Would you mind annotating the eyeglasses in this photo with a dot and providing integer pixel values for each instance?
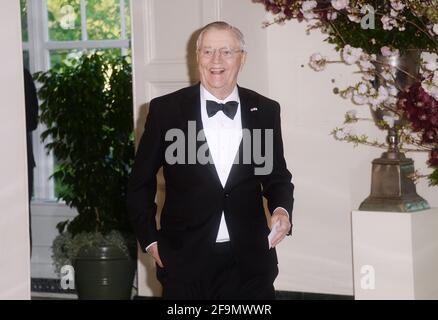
(225, 53)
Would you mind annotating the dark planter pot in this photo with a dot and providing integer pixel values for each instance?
(104, 273)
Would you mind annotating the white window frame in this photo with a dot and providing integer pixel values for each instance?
(39, 46)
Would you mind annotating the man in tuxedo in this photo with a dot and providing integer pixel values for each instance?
(213, 237)
(31, 105)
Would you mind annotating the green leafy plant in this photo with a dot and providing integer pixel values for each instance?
(87, 110)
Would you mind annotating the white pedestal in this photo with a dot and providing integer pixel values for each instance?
(395, 254)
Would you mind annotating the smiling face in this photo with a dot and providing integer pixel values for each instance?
(218, 74)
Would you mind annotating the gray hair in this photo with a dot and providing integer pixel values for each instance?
(222, 25)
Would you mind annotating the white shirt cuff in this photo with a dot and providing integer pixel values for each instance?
(283, 210)
(150, 245)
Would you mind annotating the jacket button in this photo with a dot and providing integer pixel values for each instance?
(227, 195)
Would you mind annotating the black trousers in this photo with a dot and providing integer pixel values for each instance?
(222, 280)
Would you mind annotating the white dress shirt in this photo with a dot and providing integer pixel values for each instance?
(223, 136)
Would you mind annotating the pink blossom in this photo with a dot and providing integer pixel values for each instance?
(350, 54)
(339, 4)
(317, 62)
(397, 5)
(387, 52)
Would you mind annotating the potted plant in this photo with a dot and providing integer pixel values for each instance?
(87, 110)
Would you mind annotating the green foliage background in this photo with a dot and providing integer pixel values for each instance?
(103, 20)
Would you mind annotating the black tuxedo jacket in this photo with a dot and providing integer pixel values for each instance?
(195, 197)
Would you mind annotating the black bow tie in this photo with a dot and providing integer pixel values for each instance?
(229, 108)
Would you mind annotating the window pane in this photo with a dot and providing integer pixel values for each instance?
(59, 187)
(103, 19)
(64, 18)
(114, 52)
(24, 32)
(26, 63)
(59, 57)
(128, 19)
(128, 53)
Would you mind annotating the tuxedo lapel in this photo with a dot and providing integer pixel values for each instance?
(191, 111)
(191, 107)
(248, 103)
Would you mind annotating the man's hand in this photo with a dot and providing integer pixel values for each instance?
(280, 216)
(153, 251)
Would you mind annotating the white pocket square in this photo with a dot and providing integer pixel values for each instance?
(253, 109)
